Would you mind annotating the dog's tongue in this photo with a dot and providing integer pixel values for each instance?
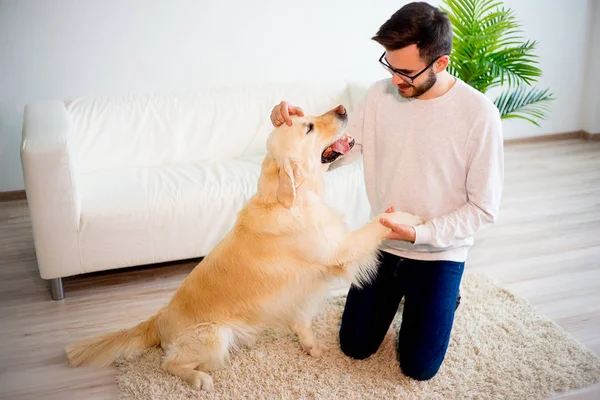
(341, 146)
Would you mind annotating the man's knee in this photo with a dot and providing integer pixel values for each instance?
(421, 371)
(354, 347)
(356, 352)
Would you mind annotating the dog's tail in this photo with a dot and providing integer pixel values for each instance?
(105, 349)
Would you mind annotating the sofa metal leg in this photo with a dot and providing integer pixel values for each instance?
(58, 292)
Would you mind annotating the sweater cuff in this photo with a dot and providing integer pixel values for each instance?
(424, 233)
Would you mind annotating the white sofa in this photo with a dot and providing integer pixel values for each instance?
(134, 180)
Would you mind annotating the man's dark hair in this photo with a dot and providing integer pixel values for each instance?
(417, 23)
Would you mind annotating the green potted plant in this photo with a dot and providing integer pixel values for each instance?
(489, 52)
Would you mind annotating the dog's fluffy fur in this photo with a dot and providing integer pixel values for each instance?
(271, 269)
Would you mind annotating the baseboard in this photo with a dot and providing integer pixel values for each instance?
(13, 195)
(590, 136)
(546, 138)
(581, 134)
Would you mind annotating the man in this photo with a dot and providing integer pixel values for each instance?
(431, 146)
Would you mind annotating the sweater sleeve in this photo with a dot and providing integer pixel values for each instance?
(484, 183)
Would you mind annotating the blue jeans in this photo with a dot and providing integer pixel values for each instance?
(430, 290)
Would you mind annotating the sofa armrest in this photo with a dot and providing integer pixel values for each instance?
(50, 174)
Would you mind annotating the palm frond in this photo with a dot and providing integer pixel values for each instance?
(514, 65)
(488, 50)
(524, 103)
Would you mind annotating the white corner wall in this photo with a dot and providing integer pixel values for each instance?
(591, 104)
(61, 49)
(562, 30)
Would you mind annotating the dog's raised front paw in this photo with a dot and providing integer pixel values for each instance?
(402, 218)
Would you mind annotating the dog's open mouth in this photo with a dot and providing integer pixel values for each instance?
(337, 149)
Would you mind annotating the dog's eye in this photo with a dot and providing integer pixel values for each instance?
(310, 128)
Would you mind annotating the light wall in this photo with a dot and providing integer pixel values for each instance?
(591, 103)
(61, 49)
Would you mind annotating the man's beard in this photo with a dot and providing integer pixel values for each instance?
(421, 89)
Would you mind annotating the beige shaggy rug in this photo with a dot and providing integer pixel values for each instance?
(500, 348)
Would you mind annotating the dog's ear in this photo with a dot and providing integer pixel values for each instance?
(289, 180)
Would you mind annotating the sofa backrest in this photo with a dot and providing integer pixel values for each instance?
(213, 123)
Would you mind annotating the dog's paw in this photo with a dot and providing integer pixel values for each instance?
(318, 350)
(203, 381)
(402, 218)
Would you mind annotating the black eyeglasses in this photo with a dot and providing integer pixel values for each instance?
(404, 77)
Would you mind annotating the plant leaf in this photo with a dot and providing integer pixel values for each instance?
(488, 50)
(524, 103)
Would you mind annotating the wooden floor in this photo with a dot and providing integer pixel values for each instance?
(545, 247)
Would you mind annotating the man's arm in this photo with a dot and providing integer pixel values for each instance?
(484, 183)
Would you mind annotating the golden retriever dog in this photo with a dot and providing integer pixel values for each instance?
(272, 269)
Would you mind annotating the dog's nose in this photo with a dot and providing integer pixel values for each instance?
(340, 110)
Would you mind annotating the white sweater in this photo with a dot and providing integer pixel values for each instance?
(441, 159)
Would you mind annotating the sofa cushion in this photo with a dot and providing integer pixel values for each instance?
(207, 124)
(146, 215)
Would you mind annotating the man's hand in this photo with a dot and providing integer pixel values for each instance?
(399, 231)
(282, 111)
